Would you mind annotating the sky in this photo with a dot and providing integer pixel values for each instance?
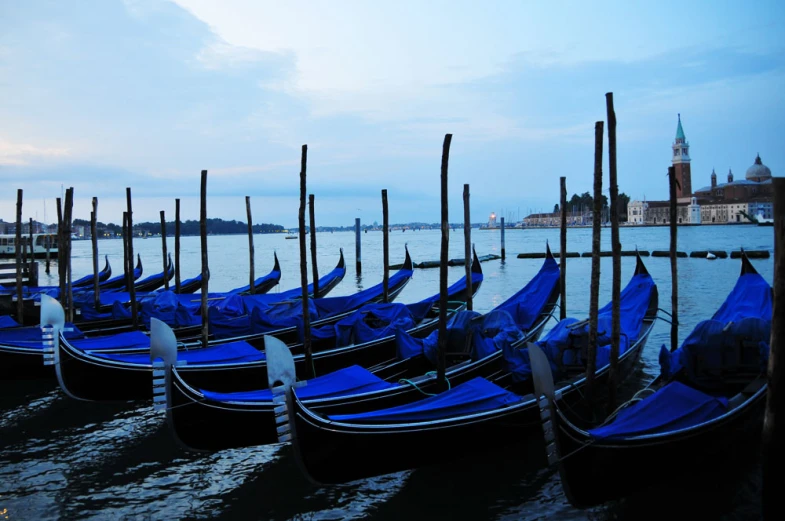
(108, 94)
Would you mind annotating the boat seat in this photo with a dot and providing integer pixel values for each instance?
(748, 391)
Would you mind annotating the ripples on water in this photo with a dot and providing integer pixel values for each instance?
(65, 459)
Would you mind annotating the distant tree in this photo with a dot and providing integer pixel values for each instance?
(623, 201)
(556, 208)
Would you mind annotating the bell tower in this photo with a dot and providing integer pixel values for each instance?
(681, 163)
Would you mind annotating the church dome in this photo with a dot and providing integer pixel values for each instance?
(758, 171)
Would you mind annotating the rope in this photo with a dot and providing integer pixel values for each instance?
(429, 373)
(635, 398)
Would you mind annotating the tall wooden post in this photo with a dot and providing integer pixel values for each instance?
(467, 247)
(774, 419)
(18, 251)
(359, 263)
(163, 250)
(205, 269)
(563, 247)
(314, 266)
(94, 244)
(48, 242)
(591, 361)
(60, 250)
(385, 248)
(131, 287)
(441, 366)
(304, 270)
(177, 246)
(31, 257)
(69, 213)
(616, 251)
(674, 269)
(250, 245)
(126, 271)
(504, 250)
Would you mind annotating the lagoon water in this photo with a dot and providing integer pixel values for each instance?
(65, 459)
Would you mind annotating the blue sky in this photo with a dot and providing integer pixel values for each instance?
(102, 95)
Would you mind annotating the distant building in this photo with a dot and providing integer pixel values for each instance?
(729, 202)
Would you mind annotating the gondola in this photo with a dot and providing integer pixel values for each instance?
(474, 417)
(263, 284)
(153, 282)
(704, 408)
(21, 351)
(88, 280)
(227, 364)
(207, 420)
(121, 281)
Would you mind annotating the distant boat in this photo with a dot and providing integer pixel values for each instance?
(291, 236)
(763, 221)
(711, 256)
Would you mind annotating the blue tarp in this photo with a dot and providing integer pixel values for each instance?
(476, 395)
(737, 334)
(371, 322)
(30, 336)
(526, 305)
(674, 407)
(229, 353)
(563, 340)
(114, 280)
(350, 380)
(273, 275)
(129, 340)
(6, 321)
(167, 307)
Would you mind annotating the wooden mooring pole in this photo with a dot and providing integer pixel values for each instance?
(674, 269)
(563, 253)
(314, 267)
(18, 252)
(250, 244)
(309, 369)
(177, 246)
(94, 244)
(163, 250)
(60, 251)
(131, 287)
(69, 213)
(616, 251)
(504, 251)
(591, 361)
(205, 269)
(126, 271)
(357, 251)
(467, 247)
(774, 420)
(385, 249)
(441, 366)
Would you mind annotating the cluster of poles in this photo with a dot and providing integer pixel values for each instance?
(774, 423)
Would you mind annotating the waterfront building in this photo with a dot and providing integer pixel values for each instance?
(736, 201)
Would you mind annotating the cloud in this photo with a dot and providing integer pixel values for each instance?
(23, 153)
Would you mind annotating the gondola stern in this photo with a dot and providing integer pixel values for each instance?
(640, 267)
(746, 266)
(341, 261)
(407, 263)
(277, 265)
(476, 265)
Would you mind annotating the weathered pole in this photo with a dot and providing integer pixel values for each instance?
(31, 256)
(69, 213)
(250, 244)
(616, 251)
(94, 244)
(163, 250)
(60, 251)
(309, 369)
(359, 263)
(504, 252)
(314, 266)
(467, 247)
(563, 254)
(441, 366)
(205, 278)
(674, 270)
(774, 420)
(177, 246)
(48, 243)
(19, 302)
(591, 360)
(385, 248)
(126, 271)
(131, 288)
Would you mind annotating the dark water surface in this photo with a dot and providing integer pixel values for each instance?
(65, 459)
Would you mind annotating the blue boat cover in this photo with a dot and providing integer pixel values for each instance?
(167, 307)
(229, 353)
(475, 396)
(737, 335)
(129, 340)
(114, 280)
(30, 336)
(674, 407)
(350, 380)
(488, 333)
(564, 339)
(7, 321)
(526, 305)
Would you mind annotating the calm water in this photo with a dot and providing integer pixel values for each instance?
(64, 459)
